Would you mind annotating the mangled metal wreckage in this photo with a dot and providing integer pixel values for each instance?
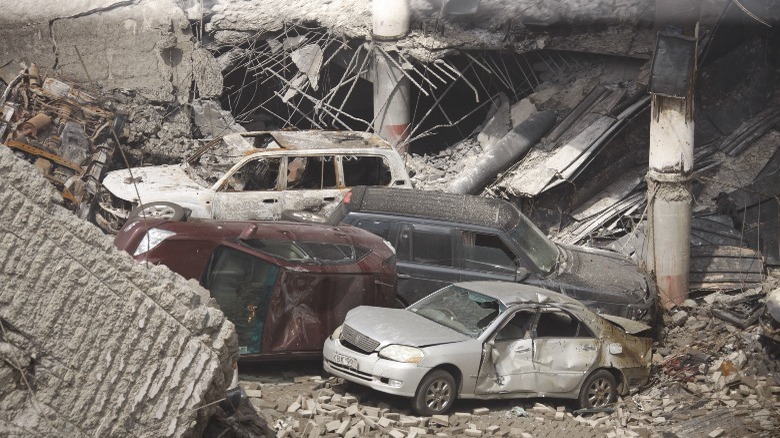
(63, 131)
(253, 176)
(285, 286)
(487, 339)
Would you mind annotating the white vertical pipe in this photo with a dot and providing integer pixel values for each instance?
(670, 162)
(391, 19)
(391, 86)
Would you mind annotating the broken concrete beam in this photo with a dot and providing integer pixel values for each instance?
(395, 433)
(480, 411)
(521, 111)
(118, 347)
(441, 420)
(253, 393)
(503, 154)
(333, 425)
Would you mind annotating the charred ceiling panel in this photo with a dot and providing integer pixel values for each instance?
(756, 208)
(575, 142)
(310, 77)
(720, 259)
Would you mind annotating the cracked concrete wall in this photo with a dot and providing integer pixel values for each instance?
(142, 45)
(93, 343)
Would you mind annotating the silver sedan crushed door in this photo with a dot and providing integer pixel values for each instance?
(507, 365)
(564, 351)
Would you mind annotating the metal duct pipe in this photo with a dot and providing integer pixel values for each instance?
(503, 154)
(391, 19)
(391, 85)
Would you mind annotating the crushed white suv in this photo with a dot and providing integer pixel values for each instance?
(253, 176)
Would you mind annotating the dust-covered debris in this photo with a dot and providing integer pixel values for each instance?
(710, 378)
(68, 134)
(91, 342)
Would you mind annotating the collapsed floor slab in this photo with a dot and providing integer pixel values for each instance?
(92, 343)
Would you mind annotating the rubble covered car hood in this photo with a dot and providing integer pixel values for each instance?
(400, 326)
(602, 276)
(158, 182)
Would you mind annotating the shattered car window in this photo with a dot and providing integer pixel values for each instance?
(311, 173)
(485, 252)
(462, 310)
(365, 171)
(540, 250)
(255, 175)
(309, 251)
(561, 325)
(434, 248)
(242, 286)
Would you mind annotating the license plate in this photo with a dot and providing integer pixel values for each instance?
(349, 362)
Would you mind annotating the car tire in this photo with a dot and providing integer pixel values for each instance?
(436, 394)
(599, 390)
(303, 216)
(160, 210)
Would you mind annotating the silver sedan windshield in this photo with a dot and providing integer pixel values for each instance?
(462, 310)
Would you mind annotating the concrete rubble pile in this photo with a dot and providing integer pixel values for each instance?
(92, 343)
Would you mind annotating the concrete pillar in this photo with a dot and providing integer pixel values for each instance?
(391, 86)
(670, 164)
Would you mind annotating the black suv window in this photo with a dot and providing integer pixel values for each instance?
(486, 252)
(426, 246)
(379, 227)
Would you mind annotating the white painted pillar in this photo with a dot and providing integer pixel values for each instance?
(669, 188)
(391, 86)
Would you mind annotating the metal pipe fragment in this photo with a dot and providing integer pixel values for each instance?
(503, 154)
(391, 84)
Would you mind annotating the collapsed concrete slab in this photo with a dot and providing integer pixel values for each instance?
(141, 45)
(91, 342)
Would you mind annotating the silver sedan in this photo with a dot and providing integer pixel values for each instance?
(490, 339)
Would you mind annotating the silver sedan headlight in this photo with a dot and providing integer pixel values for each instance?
(336, 333)
(402, 353)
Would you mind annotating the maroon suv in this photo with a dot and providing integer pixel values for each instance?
(286, 286)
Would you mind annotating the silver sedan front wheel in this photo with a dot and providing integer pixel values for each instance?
(436, 394)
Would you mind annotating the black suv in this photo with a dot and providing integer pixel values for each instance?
(442, 238)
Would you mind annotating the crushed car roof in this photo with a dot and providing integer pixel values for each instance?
(312, 139)
(516, 293)
(468, 209)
